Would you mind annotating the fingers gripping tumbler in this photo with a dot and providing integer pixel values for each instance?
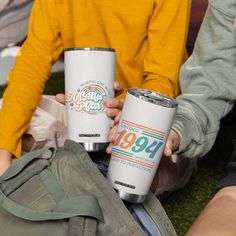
(140, 140)
(89, 79)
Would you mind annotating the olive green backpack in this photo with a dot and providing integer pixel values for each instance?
(61, 192)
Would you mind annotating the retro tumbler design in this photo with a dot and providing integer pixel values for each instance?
(89, 79)
(140, 140)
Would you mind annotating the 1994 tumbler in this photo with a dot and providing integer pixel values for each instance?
(140, 140)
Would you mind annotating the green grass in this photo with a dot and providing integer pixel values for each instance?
(184, 205)
(2, 88)
(55, 84)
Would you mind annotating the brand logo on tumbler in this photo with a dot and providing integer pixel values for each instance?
(89, 99)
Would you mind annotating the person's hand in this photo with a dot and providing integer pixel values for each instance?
(172, 143)
(5, 161)
(114, 107)
(112, 135)
(60, 97)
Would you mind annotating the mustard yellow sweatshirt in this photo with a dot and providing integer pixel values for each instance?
(148, 35)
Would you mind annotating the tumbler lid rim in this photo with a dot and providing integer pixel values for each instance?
(153, 97)
(89, 49)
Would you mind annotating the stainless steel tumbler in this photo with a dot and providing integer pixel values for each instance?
(89, 79)
(140, 140)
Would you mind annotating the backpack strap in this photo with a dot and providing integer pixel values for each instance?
(22, 162)
(64, 208)
(78, 206)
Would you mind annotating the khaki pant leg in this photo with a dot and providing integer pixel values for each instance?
(174, 174)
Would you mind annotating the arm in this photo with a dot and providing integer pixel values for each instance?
(5, 160)
(167, 33)
(27, 79)
(208, 81)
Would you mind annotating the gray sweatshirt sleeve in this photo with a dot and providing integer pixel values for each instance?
(208, 81)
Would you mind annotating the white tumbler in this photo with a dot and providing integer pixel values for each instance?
(140, 140)
(89, 80)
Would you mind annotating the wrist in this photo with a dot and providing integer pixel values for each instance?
(5, 160)
(5, 155)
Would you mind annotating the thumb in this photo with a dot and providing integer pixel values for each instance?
(172, 143)
(60, 97)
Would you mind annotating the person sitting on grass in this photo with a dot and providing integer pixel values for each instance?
(149, 38)
(208, 85)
